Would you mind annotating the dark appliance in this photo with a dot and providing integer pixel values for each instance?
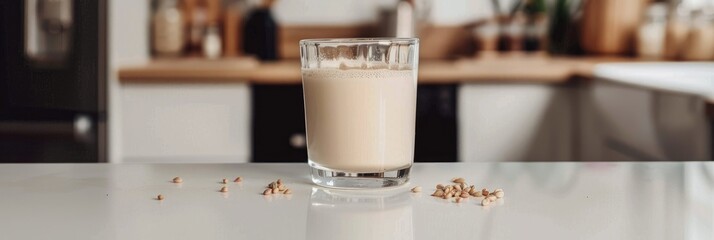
(53, 81)
(279, 124)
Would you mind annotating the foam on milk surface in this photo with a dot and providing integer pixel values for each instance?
(360, 120)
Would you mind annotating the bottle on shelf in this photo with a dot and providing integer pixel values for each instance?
(504, 36)
(232, 31)
(212, 42)
(167, 27)
(260, 34)
(196, 21)
(516, 31)
(676, 31)
(565, 28)
(536, 29)
(512, 20)
(650, 35)
(700, 40)
(486, 36)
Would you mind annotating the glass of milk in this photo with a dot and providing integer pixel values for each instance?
(360, 109)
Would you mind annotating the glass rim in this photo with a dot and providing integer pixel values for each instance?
(385, 40)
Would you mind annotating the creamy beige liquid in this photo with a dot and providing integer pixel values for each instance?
(360, 120)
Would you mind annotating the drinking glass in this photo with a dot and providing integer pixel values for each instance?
(360, 110)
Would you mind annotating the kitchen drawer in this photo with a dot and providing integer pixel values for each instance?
(278, 121)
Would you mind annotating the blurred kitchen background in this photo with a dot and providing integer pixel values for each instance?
(181, 81)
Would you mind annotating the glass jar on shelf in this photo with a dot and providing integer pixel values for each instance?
(650, 36)
(167, 29)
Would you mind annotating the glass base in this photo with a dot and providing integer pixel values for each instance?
(349, 180)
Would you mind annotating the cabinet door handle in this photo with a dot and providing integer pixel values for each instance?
(298, 140)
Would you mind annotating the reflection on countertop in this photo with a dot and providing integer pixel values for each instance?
(345, 214)
(697, 201)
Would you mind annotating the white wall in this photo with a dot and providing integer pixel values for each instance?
(128, 44)
(330, 12)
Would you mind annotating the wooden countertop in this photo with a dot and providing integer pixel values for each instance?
(518, 68)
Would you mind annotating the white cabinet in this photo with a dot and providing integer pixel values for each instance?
(617, 124)
(185, 122)
(599, 121)
(630, 123)
(515, 122)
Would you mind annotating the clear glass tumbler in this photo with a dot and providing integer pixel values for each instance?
(360, 110)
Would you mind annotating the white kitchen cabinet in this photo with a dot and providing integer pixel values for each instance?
(630, 123)
(177, 122)
(652, 111)
(516, 122)
(617, 124)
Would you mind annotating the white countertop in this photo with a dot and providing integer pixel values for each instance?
(543, 201)
(694, 78)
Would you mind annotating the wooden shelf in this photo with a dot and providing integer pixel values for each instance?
(516, 68)
(190, 70)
